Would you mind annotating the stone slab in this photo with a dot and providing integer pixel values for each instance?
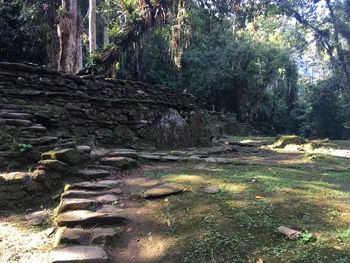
(163, 190)
(78, 254)
(86, 218)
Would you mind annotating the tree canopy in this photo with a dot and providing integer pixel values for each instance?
(280, 66)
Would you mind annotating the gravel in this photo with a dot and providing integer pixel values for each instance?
(22, 244)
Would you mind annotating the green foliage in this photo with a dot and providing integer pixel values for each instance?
(25, 147)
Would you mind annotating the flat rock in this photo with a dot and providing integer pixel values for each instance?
(14, 177)
(35, 129)
(171, 158)
(93, 173)
(102, 184)
(119, 162)
(211, 190)
(87, 193)
(55, 165)
(69, 156)
(78, 254)
(76, 204)
(123, 152)
(80, 236)
(16, 122)
(217, 160)
(150, 157)
(40, 141)
(107, 198)
(86, 218)
(84, 148)
(109, 209)
(163, 190)
(15, 115)
(36, 218)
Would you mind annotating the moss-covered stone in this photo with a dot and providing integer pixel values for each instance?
(69, 156)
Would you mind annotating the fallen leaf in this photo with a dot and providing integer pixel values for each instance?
(260, 260)
(259, 197)
(169, 223)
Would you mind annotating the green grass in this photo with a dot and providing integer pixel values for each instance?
(239, 224)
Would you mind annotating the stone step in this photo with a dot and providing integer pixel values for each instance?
(93, 173)
(123, 153)
(68, 204)
(119, 162)
(87, 194)
(16, 122)
(78, 254)
(97, 185)
(100, 167)
(86, 218)
(80, 236)
(55, 165)
(16, 115)
(35, 129)
(69, 156)
(39, 141)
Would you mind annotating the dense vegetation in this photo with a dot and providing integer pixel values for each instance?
(280, 66)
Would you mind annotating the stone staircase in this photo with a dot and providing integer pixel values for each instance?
(23, 138)
(89, 214)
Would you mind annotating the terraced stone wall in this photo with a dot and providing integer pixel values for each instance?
(102, 112)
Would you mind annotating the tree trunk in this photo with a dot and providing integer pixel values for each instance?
(69, 32)
(105, 33)
(92, 25)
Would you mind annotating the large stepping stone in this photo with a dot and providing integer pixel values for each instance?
(119, 162)
(55, 165)
(76, 204)
(163, 190)
(80, 236)
(98, 185)
(78, 254)
(105, 199)
(86, 193)
(93, 173)
(86, 218)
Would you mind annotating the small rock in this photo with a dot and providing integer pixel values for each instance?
(50, 231)
(36, 218)
(211, 190)
(290, 233)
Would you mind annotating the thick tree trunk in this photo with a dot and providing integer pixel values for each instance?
(69, 32)
(92, 25)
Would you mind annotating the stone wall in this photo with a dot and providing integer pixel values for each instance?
(102, 112)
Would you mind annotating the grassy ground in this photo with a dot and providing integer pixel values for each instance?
(239, 224)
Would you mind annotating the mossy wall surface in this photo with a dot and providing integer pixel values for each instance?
(102, 112)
